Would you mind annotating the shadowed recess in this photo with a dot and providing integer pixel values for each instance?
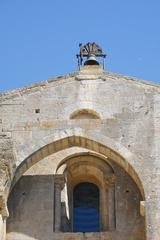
(86, 208)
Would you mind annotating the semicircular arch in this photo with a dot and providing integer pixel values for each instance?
(101, 157)
(85, 113)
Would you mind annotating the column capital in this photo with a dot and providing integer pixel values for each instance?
(142, 208)
(3, 206)
(110, 180)
(59, 180)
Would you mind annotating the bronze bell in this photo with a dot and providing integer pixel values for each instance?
(91, 60)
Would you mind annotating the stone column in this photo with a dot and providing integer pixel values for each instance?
(104, 208)
(3, 216)
(110, 184)
(1, 227)
(59, 182)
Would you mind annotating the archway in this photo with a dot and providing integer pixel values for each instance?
(89, 167)
(78, 138)
(91, 144)
(81, 168)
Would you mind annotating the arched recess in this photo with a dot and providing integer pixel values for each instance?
(86, 208)
(62, 164)
(90, 140)
(85, 114)
(92, 168)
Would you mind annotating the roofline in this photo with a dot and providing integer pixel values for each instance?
(20, 91)
(132, 78)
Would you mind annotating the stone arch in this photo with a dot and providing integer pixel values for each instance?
(91, 140)
(62, 164)
(85, 113)
(96, 170)
(84, 167)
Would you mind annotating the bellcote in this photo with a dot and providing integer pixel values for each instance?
(91, 56)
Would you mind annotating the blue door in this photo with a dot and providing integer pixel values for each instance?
(86, 208)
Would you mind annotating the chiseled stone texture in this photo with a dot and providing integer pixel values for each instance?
(128, 129)
(34, 194)
(31, 207)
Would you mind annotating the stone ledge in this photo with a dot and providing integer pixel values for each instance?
(65, 236)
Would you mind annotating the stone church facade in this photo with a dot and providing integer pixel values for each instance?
(79, 157)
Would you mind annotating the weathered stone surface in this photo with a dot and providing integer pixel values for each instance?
(35, 194)
(127, 132)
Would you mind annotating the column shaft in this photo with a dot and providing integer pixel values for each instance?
(58, 186)
(104, 209)
(112, 217)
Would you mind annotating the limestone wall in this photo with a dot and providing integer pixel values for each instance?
(31, 208)
(129, 113)
(32, 199)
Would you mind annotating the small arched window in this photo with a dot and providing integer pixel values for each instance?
(84, 114)
(86, 208)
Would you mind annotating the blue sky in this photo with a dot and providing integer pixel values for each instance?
(39, 38)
